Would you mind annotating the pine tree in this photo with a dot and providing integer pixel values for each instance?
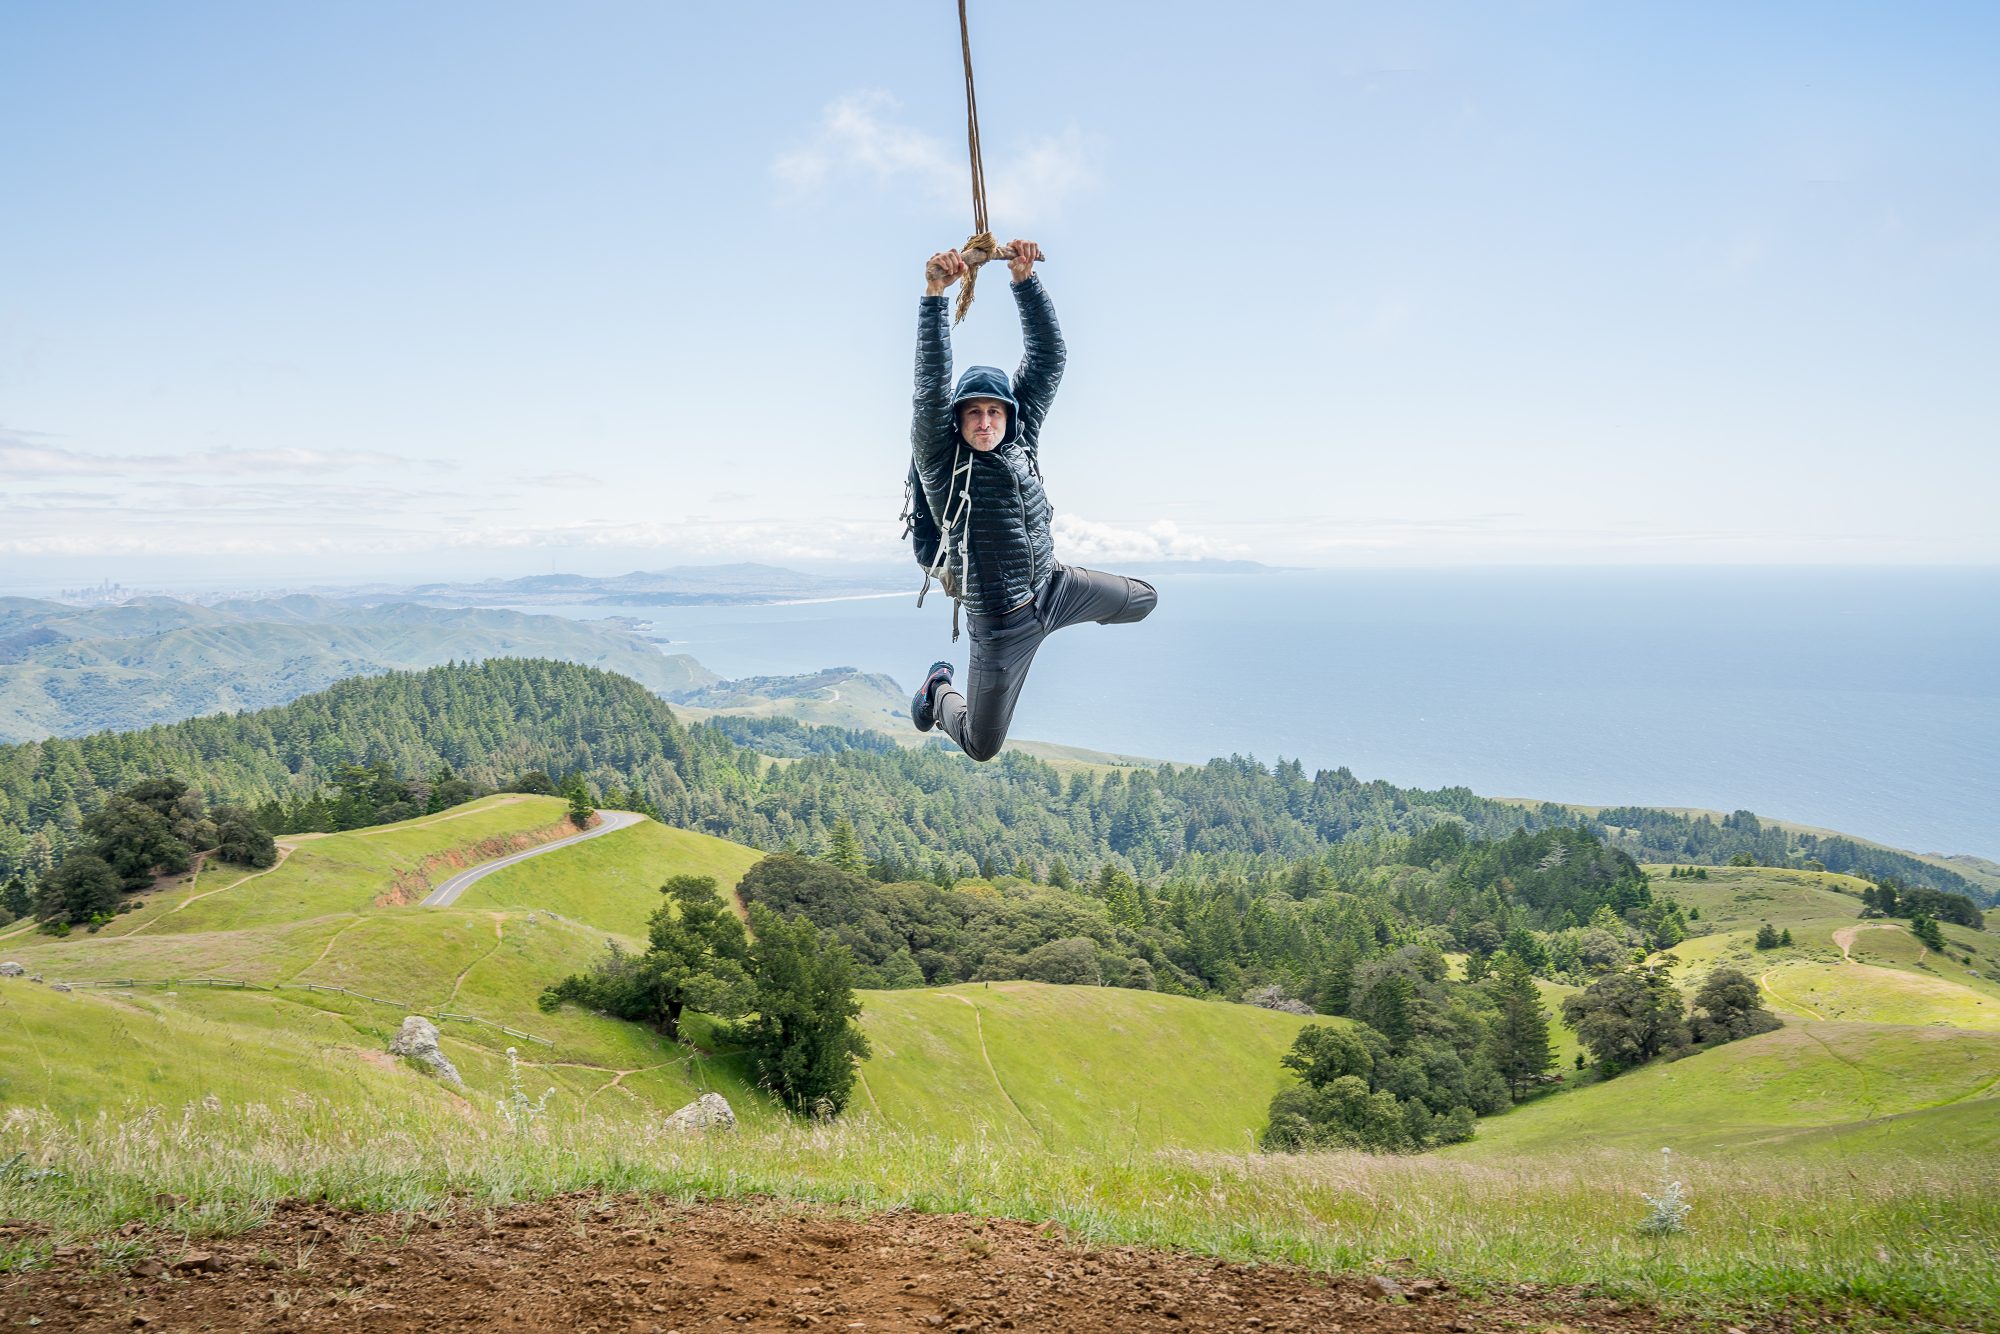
(1334, 982)
(843, 850)
(1522, 1049)
(1387, 1009)
(1925, 928)
(1767, 937)
(443, 776)
(580, 809)
(1121, 896)
(803, 1040)
(694, 959)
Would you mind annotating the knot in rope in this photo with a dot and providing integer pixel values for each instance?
(979, 249)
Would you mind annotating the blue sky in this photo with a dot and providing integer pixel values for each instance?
(364, 291)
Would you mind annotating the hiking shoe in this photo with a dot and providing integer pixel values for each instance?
(922, 709)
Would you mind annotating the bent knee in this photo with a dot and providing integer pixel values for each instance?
(982, 749)
(1140, 599)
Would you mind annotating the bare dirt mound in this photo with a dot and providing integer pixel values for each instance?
(589, 1263)
(1845, 936)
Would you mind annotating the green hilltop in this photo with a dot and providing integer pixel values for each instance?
(334, 952)
(1839, 967)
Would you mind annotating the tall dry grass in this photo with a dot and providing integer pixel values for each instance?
(1888, 1235)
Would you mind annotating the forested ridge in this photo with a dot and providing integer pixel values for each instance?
(927, 810)
(67, 670)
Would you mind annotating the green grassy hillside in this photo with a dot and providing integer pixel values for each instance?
(1122, 1115)
(340, 911)
(1733, 897)
(1838, 967)
(612, 883)
(1829, 1085)
(323, 875)
(1073, 1067)
(1056, 1066)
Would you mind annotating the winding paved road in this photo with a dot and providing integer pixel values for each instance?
(447, 893)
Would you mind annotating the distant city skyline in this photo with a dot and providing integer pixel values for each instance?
(373, 292)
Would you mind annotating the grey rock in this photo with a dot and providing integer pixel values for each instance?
(1383, 1288)
(711, 1111)
(419, 1041)
(11, 970)
(58, 986)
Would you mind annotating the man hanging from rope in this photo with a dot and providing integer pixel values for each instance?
(982, 518)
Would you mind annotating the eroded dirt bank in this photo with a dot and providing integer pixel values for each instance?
(590, 1263)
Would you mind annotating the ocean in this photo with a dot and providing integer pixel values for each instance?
(1863, 700)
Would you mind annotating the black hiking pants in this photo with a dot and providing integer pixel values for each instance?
(976, 716)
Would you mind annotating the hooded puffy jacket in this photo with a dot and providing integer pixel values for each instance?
(1009, 551)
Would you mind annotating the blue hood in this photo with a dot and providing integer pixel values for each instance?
(988, 382)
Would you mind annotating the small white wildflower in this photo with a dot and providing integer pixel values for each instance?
(1669, 1211)
(516, 1109)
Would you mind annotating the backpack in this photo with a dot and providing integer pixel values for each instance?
(919, 524)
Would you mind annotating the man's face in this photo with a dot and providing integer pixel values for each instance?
(982, 421)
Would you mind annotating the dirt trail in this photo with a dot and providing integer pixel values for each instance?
(1844, 937)
(979, 1027)
(325, 950)
(284, 851)
(499, 939)
(1764, 981)
(587, 1263)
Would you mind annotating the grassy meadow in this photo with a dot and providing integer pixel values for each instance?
(1069, 1068)
(1849, 1158)
(611, 883)
(1768, 1091)
(1838, 968)
(171, 1041)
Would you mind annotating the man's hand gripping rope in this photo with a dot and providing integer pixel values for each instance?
(962, 266)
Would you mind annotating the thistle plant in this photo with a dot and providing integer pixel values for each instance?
(1668, 1210)
(516, 1110)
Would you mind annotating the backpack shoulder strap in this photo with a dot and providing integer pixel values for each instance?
(951, 533)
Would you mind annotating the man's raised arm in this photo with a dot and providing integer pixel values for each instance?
(930, 422)
(1042, 351)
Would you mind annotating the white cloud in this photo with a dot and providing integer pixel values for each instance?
(858, 136)
(130, 534)
(1160, 540)
(766, 539)
(19, 458)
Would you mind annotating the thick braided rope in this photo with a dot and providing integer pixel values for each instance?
(982, 236)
